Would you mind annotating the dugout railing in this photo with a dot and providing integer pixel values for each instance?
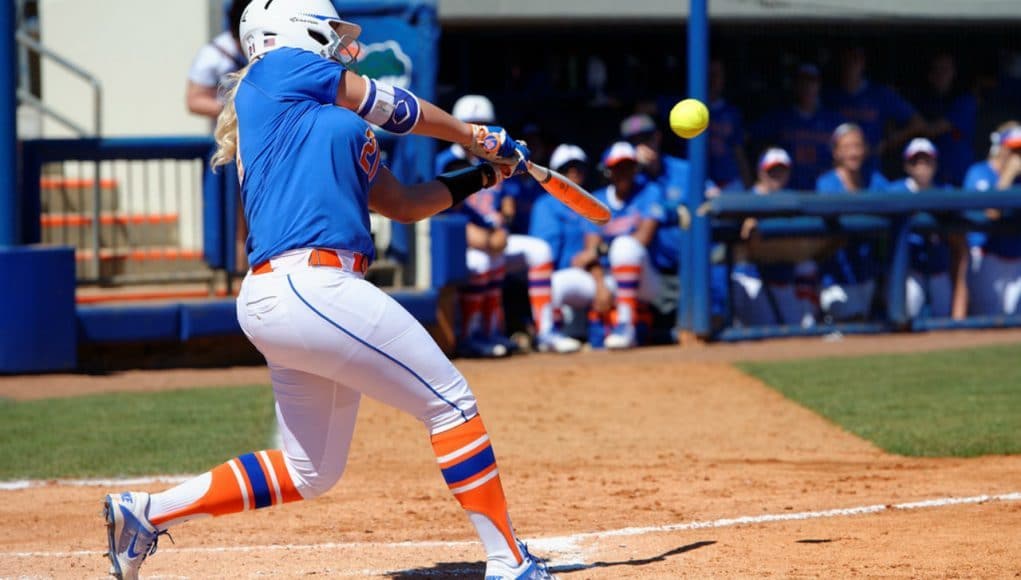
(891, 216)
(136, 210)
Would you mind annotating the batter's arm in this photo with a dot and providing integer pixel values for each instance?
(407, 203)
(433, 121)
(411, 203)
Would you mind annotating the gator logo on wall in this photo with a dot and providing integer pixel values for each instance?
(386, 62)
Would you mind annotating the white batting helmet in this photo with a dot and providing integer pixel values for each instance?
(311, 25)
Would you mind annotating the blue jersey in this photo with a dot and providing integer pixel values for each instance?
(872, 107)
(856, 262)
(956, 152)
(930, 253)
(563, 229)
(726, 133)
(307, 165)
(626, 216)
(806, 137)
(673, 185)
(829, 183)
(982, 177)
(524, 191)
(483, 208)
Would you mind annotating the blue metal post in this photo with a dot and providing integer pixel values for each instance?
(9, 206)
(698, 155)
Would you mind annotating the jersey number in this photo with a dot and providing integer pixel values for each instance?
(369, 160)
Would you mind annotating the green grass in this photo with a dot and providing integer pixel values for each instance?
(960, 403)
(126, 434)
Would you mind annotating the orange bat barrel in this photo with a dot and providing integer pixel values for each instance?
(574, 197)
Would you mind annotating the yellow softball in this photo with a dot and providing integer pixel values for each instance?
(689, 118)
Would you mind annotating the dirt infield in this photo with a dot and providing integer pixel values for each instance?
(593, 443)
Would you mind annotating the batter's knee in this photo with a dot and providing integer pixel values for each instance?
(312, 480)
(453, 405)
(626, 251)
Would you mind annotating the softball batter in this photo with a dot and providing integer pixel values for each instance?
(310, 173)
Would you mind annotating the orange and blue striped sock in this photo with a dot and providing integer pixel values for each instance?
(627, 279)
(466, 459)
(540, 297)
(251, 481)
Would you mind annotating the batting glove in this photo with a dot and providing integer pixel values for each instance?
(493, 144)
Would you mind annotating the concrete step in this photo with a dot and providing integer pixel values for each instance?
(116, 230)
(63, 195)
(168, 261)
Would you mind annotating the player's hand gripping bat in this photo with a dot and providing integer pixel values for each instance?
(570, 194)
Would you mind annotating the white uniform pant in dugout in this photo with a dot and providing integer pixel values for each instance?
(329, 338)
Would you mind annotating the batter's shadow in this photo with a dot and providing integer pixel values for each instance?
(454, 570)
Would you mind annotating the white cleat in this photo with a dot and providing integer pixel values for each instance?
(622, 337)
(531, 568)
(558, 343)
(130, 534)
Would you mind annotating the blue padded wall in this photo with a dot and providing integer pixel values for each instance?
(37, 311)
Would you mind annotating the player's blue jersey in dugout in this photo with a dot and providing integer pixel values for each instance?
(307, 164)
(627, 215)
(563, 229)
(857, 262)
(982, 177)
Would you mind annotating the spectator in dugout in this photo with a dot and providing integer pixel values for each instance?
(804, 129)
(937, 279)
(873, 107)
(849, 276)
(671, 175)
(951, 113)
(623, 246)
(773, 281)
(995, 275)
(728, 164)
(577, 281)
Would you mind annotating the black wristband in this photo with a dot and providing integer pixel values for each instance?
(465, 182)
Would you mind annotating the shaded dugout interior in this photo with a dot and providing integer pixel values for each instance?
(550, 77)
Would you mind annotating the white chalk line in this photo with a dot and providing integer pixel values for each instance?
(112, 483)
(569, 544)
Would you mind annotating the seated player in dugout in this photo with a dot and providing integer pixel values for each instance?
(492, 252)
(573, 288)
(671, 175)
(849, 276)
(937, 284)
(622, 246)
(994, 279)
(774, 282)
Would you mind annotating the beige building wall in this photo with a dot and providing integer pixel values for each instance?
(140, 50)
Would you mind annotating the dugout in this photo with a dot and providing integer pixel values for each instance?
(553, 75)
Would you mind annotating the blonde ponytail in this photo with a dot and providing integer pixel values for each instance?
(226, 132)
